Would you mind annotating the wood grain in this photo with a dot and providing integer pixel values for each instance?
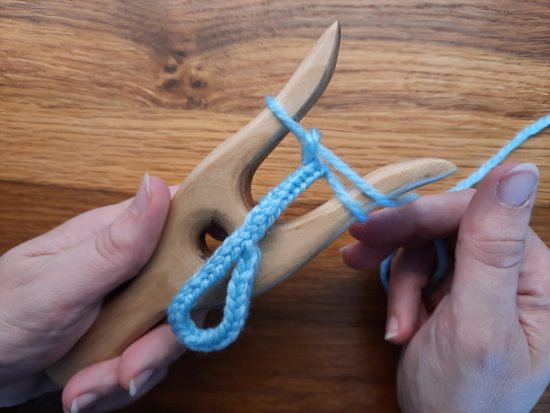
(95, 93)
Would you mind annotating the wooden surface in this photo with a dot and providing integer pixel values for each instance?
(95, 93)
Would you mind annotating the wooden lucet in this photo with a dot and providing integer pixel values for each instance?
(218, 191)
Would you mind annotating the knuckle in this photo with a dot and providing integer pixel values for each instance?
(501, 253)
(111, 248)
(485, 353)
(476, 347)
(482, 348)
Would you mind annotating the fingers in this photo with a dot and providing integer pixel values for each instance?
(409, 275)
(74, 231)
(90, 385)
(94, 267)
(156, 350)
(78, 229)
(121, 398)
(363, 257)
(433, 216)
(491, 244)
(89, 223)
(97, 389)
(173, 189)
(118, 381)
(429, 217)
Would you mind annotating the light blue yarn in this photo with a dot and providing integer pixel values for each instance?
(526, 133)
(441, 252)
(240, 252)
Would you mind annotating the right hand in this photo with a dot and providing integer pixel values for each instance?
(481, 341)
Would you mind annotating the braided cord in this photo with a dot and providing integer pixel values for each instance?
(240, 253)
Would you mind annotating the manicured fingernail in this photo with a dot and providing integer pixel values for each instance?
(391, 328)
(345, 249)
(143, 196)
(137, 382)
(517, 185)
(83, 401)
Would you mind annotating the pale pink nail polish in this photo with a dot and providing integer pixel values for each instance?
(143, 196)
(517, 185)
(392, 328)
(82, 402)
(137, 382)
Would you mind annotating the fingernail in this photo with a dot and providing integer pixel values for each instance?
(517, 185)
(143, 196)
(345, 249)
(137, 382)
(82, 402)
(391, 328)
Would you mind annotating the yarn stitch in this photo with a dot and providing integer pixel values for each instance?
(442, 261)
(241, 254)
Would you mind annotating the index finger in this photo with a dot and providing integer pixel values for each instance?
(427, 218)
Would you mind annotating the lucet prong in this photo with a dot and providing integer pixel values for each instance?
(218, 191)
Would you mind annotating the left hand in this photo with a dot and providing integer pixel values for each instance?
(51, 290)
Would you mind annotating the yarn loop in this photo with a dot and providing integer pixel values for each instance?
(241, 255)
(474, 178)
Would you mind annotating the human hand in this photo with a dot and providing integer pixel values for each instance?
(51, 290)
(481, 341)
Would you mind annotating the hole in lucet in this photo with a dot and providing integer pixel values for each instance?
(211, 238)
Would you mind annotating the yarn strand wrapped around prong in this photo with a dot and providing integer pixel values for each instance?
(241, 255)
(240, 252)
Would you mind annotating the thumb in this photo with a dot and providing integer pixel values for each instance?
(491, 241)
(94, 267)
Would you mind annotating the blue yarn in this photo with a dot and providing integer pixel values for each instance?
(526, 133)
(239, 250)
(240, 253)
(442, 263)
(440, 250)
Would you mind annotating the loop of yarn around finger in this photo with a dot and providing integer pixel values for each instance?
(240, 253)
(442, 260)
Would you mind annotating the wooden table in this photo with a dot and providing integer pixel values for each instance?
(93, 94)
